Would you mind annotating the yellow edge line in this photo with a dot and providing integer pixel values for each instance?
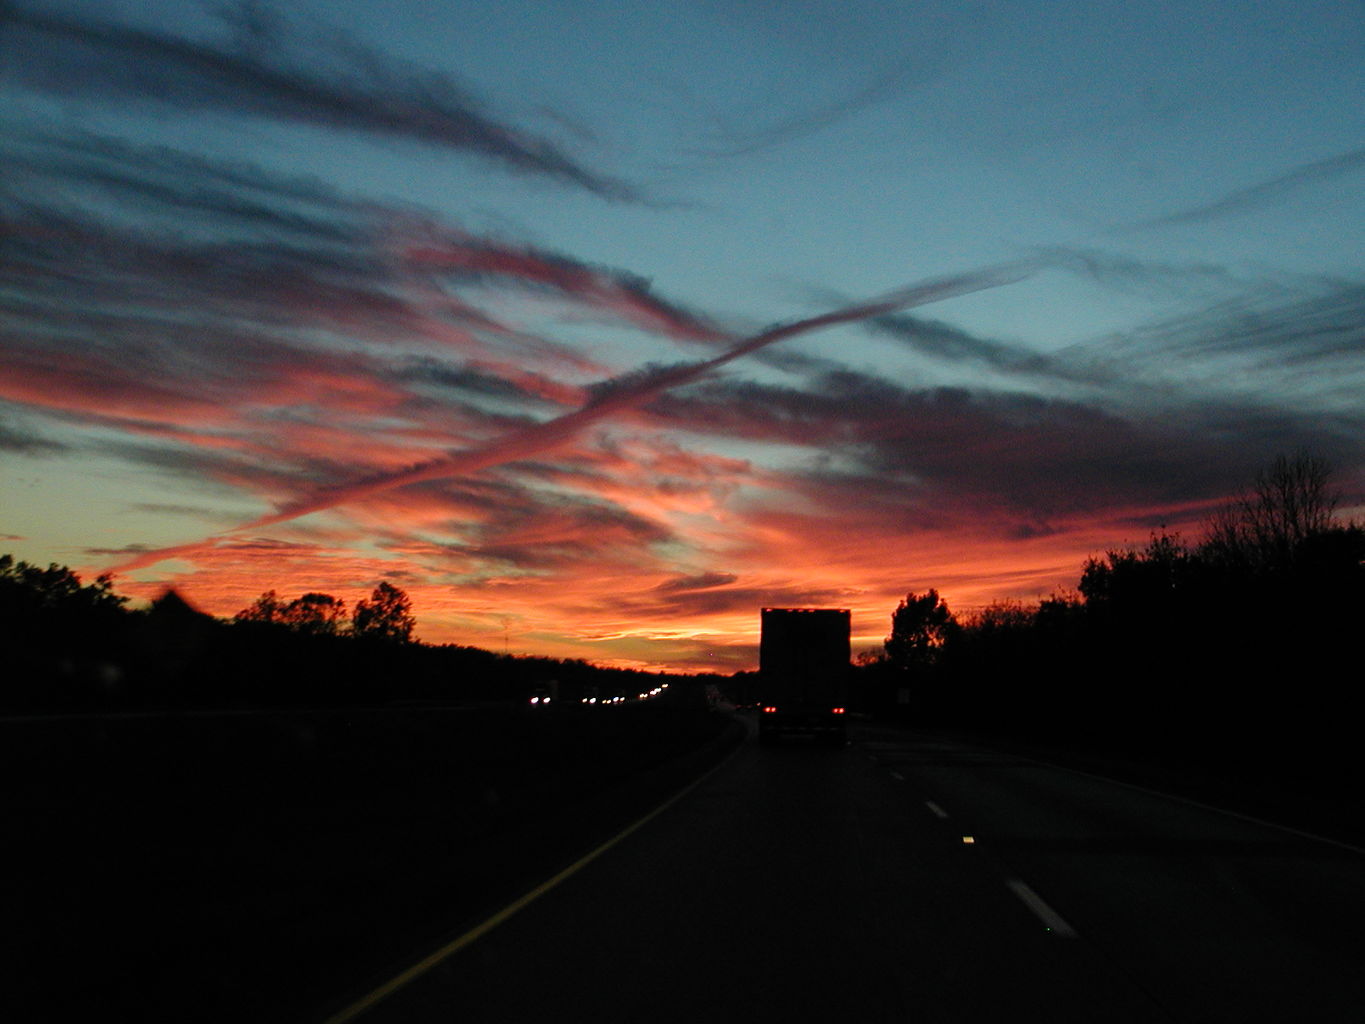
(478, 931)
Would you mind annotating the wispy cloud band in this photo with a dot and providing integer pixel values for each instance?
(94, 57)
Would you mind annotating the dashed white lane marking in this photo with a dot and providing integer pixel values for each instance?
(938, 811)
(898, 776)
(1041, 910)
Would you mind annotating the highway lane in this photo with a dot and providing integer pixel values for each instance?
(1218, 917)
(242, 866)
(799, 883)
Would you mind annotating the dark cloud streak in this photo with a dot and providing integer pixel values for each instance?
(555, 433)
(1257, 196)
(703, 581)
(26, 442)
(897, 79)
(65, 55)
(97, 243)
(952, 344)
(628, 295)
(1017, 458)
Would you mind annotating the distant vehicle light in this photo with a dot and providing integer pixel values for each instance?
(535, 700)
(768, 709)
(837, 711)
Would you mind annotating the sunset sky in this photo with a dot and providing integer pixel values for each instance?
(597, 326)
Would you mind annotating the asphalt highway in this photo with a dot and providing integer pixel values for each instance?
(904, 878)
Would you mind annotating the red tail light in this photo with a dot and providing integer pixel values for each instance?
(837, 711)
(768, 709)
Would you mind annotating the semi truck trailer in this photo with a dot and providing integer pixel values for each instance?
(803, 670)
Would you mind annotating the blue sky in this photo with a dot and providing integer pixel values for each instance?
(306, 297)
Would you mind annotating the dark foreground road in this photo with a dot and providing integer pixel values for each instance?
(798, 883)
(247, 866)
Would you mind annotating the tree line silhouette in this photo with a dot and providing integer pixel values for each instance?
(387, 615)
(1218, 641)
(73, 646)
(1239, 649)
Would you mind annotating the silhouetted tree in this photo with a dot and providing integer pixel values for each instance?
(1060, 619)
(1001, 630)
(920, 626)
(1127, 580)
(265, 609)
(1146, 617)
(63, 639)
(318, 614)
(312, 613)
(1264, 528)
(56, 589)
(1001, 616)
(386, 615)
